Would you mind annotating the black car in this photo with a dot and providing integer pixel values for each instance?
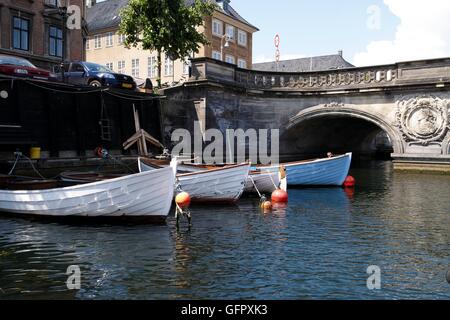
(93, 74)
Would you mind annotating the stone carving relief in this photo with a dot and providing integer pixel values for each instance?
(328, 79)
(423, 120)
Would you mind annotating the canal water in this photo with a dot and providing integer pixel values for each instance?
(319, 247)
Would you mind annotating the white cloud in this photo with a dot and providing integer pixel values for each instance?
(263, 58)
(422, 33)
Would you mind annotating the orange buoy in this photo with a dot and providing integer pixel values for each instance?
(280, 196)
(266, 206)
(349, 182)
(183, 200)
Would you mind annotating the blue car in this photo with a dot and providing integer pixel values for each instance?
(93, 74)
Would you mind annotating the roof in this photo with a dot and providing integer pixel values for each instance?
(104, 15)
(228, 10)
(320, 63)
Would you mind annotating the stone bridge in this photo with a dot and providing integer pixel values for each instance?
(400, 109)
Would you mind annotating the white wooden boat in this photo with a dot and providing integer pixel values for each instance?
(319, 172)
(182, 166)
(223, 184)
(145, 196)
(265, 182)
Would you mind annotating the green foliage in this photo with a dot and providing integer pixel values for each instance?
(165, 25)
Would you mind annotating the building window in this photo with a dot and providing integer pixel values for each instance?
(109, 39)
(152, 67)
(186, 66)
(135, 67)
(230, 33)
(55, 45)
(229, 59)
(121, 38)
(121, 66)
(110, 66)
(88, 44)
(242, 63)
(242, 38)
(21, 33)
(216, 55)
(97, 42)
(52, 3)
(217, 27)
(168, 67)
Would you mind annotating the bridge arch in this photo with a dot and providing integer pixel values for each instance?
(371, 124)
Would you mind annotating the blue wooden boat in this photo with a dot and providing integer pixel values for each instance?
(330, 171)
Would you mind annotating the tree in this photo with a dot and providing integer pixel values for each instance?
(168, 26)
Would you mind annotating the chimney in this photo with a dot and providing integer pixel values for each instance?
(341, 53)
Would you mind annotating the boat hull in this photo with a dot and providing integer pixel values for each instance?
(220, 185)
(320, 172)
(266, 182)
(143, 195)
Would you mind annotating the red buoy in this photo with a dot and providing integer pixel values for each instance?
(98, 152)
(349, 182)
(183, 200)
(279, 196)
(350, 192)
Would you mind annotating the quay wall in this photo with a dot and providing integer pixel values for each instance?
(70, 122)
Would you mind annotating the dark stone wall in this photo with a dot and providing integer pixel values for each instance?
(233, 108)
(64, 120)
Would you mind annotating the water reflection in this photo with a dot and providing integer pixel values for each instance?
(318, 246)
(36, 256)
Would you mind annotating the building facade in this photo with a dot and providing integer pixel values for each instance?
(36, 30)
(105, 46)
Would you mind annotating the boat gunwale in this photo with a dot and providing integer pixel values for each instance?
(306, 162)
(86, 185)
(80, 175)
(214, 170)
(234, 166)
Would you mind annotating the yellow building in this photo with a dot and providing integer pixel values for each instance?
(230, 35)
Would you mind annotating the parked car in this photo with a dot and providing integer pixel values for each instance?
(20, 67)
(93, 74)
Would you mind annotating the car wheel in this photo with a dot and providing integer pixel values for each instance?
(95, 83)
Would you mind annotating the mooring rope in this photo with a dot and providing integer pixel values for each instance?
(14, 165)
(271, 179)
(64, 91)
(120, 162)
(18, 156)
(256, 188)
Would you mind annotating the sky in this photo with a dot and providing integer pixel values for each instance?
(370, 32)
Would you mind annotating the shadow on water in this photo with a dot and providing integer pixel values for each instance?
(319, 246)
